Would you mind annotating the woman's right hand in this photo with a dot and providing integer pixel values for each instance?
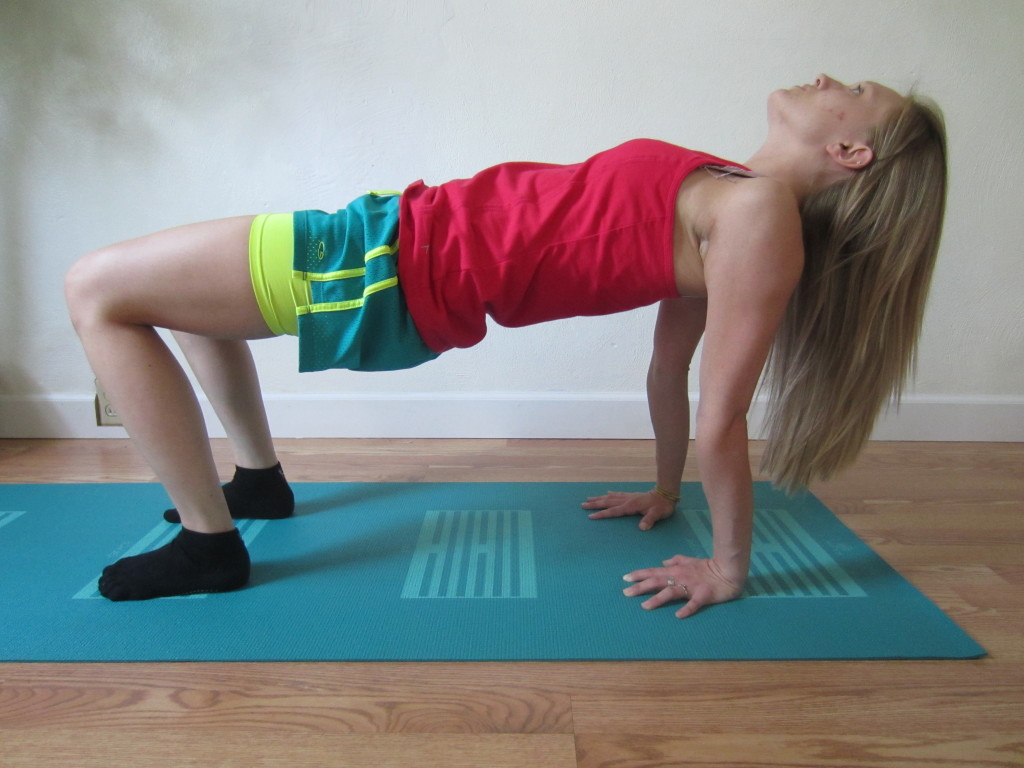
(650, 506)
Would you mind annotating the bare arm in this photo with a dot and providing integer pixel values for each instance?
(676, 335)
(752, 268)
(753, 264)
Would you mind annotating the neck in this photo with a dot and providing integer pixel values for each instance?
(799, 171)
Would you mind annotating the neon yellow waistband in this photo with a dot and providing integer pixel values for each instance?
(278, 289)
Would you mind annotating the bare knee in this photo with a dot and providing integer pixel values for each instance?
(89, 288)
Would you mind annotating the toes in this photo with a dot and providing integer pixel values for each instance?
(112, 586)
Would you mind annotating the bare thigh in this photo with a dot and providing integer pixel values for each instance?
(193, 278)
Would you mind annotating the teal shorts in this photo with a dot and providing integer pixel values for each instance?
(341, 295)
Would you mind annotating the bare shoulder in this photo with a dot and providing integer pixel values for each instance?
(760, 200)
(754, 262)
(757, 225)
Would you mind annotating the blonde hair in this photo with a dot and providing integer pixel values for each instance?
(849, 336)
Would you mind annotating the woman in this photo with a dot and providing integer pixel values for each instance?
(816, 255)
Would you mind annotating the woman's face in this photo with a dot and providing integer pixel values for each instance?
(830, 111)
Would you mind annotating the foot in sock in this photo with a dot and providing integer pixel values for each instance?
(191, 563)
(254, 494)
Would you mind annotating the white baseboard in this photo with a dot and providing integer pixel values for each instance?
(488, 415)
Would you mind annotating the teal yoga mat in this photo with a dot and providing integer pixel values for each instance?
(452, 571)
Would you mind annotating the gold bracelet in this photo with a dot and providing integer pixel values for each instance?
(665, 494)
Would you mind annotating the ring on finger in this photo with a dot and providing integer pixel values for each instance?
(672, 583)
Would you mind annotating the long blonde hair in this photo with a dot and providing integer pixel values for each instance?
(849, 336)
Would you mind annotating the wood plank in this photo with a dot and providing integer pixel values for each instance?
(834, 748)
(327, 698)
(882, 698)
(162, 748)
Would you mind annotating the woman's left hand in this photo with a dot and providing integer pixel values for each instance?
(697, 581)
(649, 506)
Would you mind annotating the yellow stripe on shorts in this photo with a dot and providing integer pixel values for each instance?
(344, 274)
(340, 306)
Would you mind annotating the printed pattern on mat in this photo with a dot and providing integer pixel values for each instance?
(155, 539)
(473, 554)
(786, 560)
(9, 517)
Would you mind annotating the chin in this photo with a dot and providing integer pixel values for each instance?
(776, 100)
(783, 93)
(779, 97)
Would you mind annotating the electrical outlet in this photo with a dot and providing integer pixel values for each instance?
(106, 416)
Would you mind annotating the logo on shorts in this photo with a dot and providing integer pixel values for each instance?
(320, 251)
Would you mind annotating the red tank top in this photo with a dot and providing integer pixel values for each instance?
(530, 242)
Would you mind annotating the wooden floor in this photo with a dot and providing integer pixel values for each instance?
(947, 516)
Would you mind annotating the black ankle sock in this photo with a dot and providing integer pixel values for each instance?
(254, 494)
(191, 563)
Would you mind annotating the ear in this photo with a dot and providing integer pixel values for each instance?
(850, 156)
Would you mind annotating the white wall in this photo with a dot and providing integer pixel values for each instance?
(119, 117)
